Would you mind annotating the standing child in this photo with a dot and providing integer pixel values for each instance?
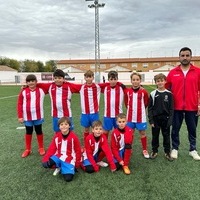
(113, 102)
(96, 148)
(160, 113)
(121, 143)
(30, 112)
(60, 92)
(136, 100)
(64, 152)
(90, 96)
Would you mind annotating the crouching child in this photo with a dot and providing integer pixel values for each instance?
(96, 148)
(64, 151)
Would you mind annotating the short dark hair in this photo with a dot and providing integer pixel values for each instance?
(64, 119)
(185, 49)
(112, 75)
(31, 77)
(59, 73)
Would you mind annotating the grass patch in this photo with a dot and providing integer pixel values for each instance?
(24, 179)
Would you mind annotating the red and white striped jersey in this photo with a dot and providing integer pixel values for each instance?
(136, 102)
(113, 101)
(92, 147)
(119, 139)
(30, 104)
(60, 97)
(90, 97)
(67, 149)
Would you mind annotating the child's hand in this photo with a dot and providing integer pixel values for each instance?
(152, 125)
(121, 163)
(113, 170)
(20, 120)
(96, 168)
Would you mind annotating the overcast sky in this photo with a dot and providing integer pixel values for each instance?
(64, 29)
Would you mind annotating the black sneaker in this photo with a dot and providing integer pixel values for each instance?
(153, 155)
(168, 156)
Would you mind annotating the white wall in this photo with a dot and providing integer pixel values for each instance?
(124, 77)
(7, 76)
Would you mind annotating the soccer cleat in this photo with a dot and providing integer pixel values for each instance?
(41, 151)
(145, 153)
(153, 155)
(102, 164)
(26, 153)
(174, 153)
(194, 154)
(126, 170)
(168, 156)
(56, 172)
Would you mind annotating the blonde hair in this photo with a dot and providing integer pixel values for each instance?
(96, 123)
(89, 73)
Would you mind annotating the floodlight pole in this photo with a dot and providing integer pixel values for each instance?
(96, 5)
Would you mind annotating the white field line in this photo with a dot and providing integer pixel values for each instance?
(8, 97)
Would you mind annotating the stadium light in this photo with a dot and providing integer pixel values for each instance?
(97, 5)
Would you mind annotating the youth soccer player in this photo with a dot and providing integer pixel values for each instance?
(64, 152)
(160, 113)
(121, 143)
(96, 148)
(113, 102)
(30, 112)
(60, 92)
(136, 100)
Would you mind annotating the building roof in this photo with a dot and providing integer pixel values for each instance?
(125, 60)
(6, 68)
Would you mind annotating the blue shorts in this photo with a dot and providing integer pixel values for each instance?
(138, 126)
(88, 119)
(65, 168)
(86, 162)
(109, 123)
(56, 127)
(33, 122)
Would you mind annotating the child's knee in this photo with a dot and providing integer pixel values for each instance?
(68, 177)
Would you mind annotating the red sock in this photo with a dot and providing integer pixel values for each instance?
(85, 134)
(28, 139)
(144, 143)
(127, 156)
(40, 140)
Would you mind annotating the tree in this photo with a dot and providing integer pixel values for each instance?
(50, 66)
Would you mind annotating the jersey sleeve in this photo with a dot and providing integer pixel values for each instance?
(51, 150)
(20, 105)
(77, 147)
(150, 110)
(107, 151)
(75, 88)
(115, 147)
(89, 152)
(44, 86)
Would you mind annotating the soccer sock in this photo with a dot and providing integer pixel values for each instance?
(28, 139)
(144, 143)
(85, 134)
(40, 140)
(127, 156)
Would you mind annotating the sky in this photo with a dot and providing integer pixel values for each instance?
(45, 30)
